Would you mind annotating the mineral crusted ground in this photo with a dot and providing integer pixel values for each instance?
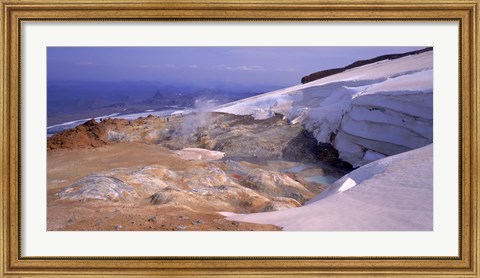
(177, 174)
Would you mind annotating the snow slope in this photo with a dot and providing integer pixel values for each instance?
(390, 194)
(199, 154)
(366, 113)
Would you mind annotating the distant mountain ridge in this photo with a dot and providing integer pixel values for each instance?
(73, 100)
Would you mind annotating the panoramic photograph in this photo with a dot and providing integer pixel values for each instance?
(260, 138)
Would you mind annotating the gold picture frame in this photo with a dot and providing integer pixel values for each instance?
(14, 12)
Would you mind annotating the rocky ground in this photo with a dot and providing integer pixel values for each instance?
(177, 173)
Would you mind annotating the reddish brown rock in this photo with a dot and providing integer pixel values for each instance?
(89, 134)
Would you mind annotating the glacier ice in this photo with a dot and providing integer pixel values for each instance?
(366, 113)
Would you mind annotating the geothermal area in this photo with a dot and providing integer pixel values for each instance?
(349, 149)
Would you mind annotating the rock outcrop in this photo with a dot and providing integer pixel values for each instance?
(221, 135)
(88, 134)
(99, 187)
(213, 186)
(276, 184)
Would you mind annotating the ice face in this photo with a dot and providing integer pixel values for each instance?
(366, 113)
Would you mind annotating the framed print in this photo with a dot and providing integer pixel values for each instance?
(258, 138)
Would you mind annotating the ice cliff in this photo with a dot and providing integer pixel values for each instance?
(366, 113)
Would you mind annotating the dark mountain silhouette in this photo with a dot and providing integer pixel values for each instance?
(324, 73)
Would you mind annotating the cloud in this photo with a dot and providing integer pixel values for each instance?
(239, 68)
(168, 66)
(84, 63)
(157, 66)
(249, 68)
(288, 69)
(219, 67)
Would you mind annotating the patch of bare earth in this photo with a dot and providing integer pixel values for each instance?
(154, 174)
(97, 216)
(67, 166)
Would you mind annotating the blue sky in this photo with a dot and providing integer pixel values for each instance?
(280, 66)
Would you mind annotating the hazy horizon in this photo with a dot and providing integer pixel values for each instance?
(276, 66)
